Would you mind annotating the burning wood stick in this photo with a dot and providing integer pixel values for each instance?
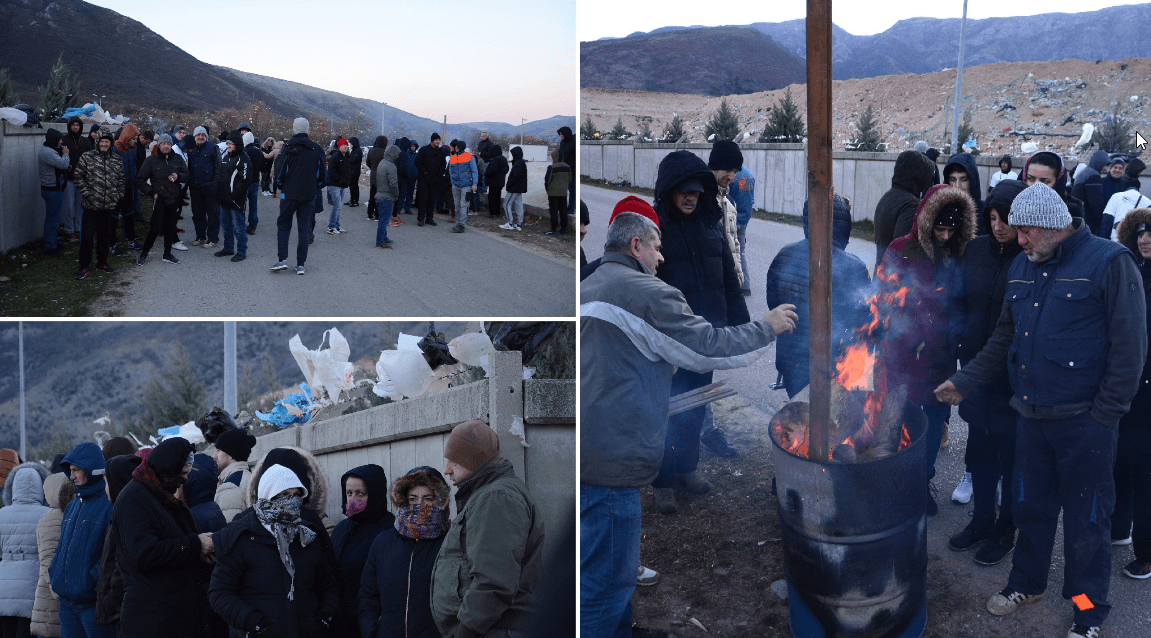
(884, 440)
(698, 397)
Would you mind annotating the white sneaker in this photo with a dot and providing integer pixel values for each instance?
(962, 493)
(179, 246)
(1122, 541)
(646, 577)
(517, 227)
(506, 226)
(267, 193)
(341, 231)
(333, 231)
(280, 265)
(209, 244)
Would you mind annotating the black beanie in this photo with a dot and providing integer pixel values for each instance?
(290, 459)
(119, 472)
(725, 156)
(435, 136)
(932, 154)
(1134, 168)
(237, 444)
(170, 456)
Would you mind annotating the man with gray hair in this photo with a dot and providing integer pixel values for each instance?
(634, 330)
(301, 175)
(1073, 337)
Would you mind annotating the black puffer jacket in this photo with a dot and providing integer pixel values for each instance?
(787, 282)
(355, 158)
(302, 170)
(352, 539)
(518, 175)
(567, 147)
(487, 149)
(967, 162)
(1089, 190)
(160, 563)
(896, 209)
(375, 154)
(339, 169)
(975, 307)
(110, 587)
(497, 168)
(397, 585)
(697, 260)
(430, 161)
(157, 168)
(250, 584)
(233, 178)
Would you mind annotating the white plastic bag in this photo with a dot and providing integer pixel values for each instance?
(474, 349)
(404, 368)
(328, 372)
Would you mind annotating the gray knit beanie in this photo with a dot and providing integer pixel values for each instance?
(300, 125)
(164, 137)
(1039, 206)
(921, 146)
(200, 130)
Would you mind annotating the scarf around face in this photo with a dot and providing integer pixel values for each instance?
(421, 522)
(283, 516)
(163, 487)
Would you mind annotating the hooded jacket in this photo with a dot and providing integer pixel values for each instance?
(232, 486)
(1088, 189)
(518, 174)
(156, 169)
(375, 154)
(462, 168)
(1140, 413)
(77, 144)
(409, 156)
(58, 492)
(76, 566)
(787, 282)
(355, 159)
(100, 179)
(915, 345)
(697, 260)
(110, 588)
(567, 146)
(387, 175)
(311, 475)
(497, 168)
(486, 571)
(302, 170)
(199, 493)
(353, 538)
(339, 169)
(233, 177)
(557, 176)
(53, 165)
(431, 162)
(977, 301)
(742, 195)
(896, 210)
(396, 584)
(24, 505)
(967, 162)
(255, 155)
(999, 175)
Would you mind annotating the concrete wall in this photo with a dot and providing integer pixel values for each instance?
(21, 207)
(410, 433)
(780, 184)
(532, 153)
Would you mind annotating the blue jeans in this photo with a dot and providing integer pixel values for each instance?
(253, 199)
(73, 213)
(52, 202)
(336, 199)
(741, 234)
(233, 223)
(78, 620)
(384, 208)
(609, 559)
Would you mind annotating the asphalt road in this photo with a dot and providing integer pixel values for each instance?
(430, 272)
(1130, 616)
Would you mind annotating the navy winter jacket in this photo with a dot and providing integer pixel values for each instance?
(302, 171)
(353, 538)
(75, 568)
(203, 163)
(200, 494)
(396, 588)
(742, 194)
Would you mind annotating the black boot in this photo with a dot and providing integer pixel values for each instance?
(999, 546)
(976, 532)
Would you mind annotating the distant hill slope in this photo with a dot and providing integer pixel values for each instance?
(705, 61)
(926, 45)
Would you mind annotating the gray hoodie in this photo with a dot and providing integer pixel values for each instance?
(52, 162)
(387, 176)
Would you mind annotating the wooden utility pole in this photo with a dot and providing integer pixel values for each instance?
(445, 131)
(820, 206)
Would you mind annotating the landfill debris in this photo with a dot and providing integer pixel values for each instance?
(474, 349)
(403, 371)
(517, 429)
(294, 408)
(188, 431)
(326, 370)
(91, 113)
(697, 623)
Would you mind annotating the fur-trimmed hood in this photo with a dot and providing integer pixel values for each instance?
(59, 491)
(317, 483)
(10, 484)
(1125, 235)
(421, 476)
(937, 198)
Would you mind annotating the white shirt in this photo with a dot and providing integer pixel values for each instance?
(999, 176)
(1122, 203)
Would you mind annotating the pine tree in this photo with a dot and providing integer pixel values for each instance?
(965, 132)
(674, 129)
(61, 93)
(867, 134)
(723, 123)
(249, 389)
(7, 95)
(173, 397)
(587, 130)
(784, 124)
(618, 131)
(645, 134)
(1114, 134)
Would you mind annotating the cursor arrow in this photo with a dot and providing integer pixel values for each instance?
(1140, 141)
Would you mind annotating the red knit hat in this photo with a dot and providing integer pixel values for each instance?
(341, 142)
(633, 204)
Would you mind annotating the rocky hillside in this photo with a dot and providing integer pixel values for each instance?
(925, 45)
(711, 61)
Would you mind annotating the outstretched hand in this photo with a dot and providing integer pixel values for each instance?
(782, 318)
(947, 393)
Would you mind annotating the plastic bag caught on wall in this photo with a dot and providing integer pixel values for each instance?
(474, 349)
(403, 371)
(188, 431)
(294, 408)
(328, 371)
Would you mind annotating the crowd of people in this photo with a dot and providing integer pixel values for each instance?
(1027, 308)
(165, 541)
(92, 185)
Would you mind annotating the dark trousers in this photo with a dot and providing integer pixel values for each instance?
(405, 201)
(301, 211)
(96, 224)
(205, 214)
(355, 188)
(558, 213)
(15, 627)
(991, 457)
(495, 201)
(373, 210)
(1067, 465)
(681, 446)
(1133, 489)
(266, 180)
(427, 202)
(163, 222)
(937, 417)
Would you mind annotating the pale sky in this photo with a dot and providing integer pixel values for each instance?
(610, 18)
(470, 60)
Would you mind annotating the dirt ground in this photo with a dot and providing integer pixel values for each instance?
(719, 555)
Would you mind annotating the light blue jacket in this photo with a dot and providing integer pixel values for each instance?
(19, 559)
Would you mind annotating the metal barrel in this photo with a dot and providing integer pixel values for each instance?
(855, 540)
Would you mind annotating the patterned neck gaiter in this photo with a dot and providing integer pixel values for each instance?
(421, 522)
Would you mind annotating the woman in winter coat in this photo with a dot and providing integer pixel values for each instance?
(977, 299)
(58, 492)
(24, 505)
(395, 593)
(159, 550)
(308, 470)
(272, 578)
(1132, 480)
(199, 493)
(110, 587)
(268, 148)
(915, 348)
(365, 490)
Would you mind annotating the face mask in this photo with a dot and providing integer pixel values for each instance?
(355, 506)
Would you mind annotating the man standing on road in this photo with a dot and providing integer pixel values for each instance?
(339, 176)
(162, 176)
(232, 183)
(1074, 370)
(742, 194)
(203, 164)
(256, 165)
(465, 179)
(430, 163)
(634, 331)
(568, 156)
(300, 176)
